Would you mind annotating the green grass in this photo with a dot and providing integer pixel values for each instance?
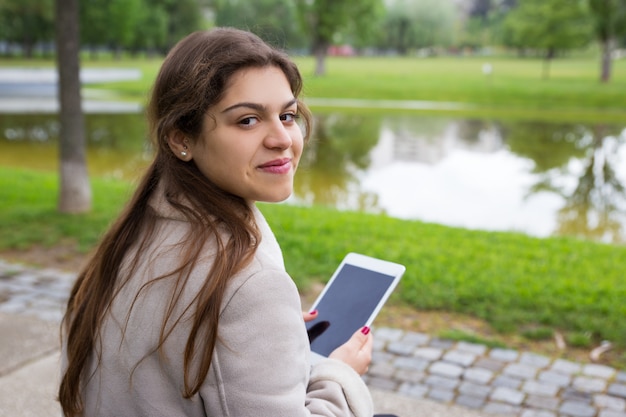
(510, 280)
(516, 90)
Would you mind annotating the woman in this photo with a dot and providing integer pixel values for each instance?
(186, 308)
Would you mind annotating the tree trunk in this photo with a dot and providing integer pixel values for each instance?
(74, 190)
(320, 58)
(605, 71)
(546, 63)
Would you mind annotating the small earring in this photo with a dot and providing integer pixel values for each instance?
(183, 154)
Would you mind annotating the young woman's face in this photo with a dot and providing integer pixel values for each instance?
(251, 144)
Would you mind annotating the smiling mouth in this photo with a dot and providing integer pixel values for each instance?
(277, 166)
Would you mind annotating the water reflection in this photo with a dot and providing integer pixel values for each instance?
(538, 178)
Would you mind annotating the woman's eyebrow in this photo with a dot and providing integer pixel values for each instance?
(257, 106)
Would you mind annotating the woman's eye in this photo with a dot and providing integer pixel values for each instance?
(248, 121)
(288, 117)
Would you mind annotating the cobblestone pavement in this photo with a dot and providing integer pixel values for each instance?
(496, 381)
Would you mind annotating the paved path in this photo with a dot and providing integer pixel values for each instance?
(412, 374)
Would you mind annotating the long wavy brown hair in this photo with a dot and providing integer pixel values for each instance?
(192, 79)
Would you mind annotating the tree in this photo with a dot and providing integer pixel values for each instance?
(609, 24)
(418, 24)
(328, 21)
(109, 23)
(26, 22)
(75, 190)
(549, 26)
(275, 21)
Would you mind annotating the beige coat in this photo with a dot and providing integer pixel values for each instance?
(260, 366)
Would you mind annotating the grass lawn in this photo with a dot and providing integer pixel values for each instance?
(518, 284)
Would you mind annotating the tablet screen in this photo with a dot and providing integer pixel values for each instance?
(346, 306)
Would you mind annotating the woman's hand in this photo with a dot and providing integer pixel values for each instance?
(356, 352)
(309, 316)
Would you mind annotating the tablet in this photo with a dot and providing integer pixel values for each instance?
(352, 298)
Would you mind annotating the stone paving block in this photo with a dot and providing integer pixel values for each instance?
(441, 395)
(379, 356)
(541, 402)
(575, 395)
(491, 364)
(441, 343)
(440, 382)
(407, 375)
(507, 395)
(520, 370)
(534, 387)
(621, 376)
(428, 353)
(448, 370)
(566, 367)
(555, 378)
(415, 338)
(507, 381)
(504, 355)
(609, 401)
(474, 390)
(599, 371)
(501, 408)
(479, 375)
(469, 401)
(534, 360)
(401, 348)
(474, 348)
(388, 334)
(414, 390)
(619, 390)
(537, 413)
(611, 413)
(382, 383)
(383, 370)
(577, 409)
(587, 384)
(415, 364)
(464, 359)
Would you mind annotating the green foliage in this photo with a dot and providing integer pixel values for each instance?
(580, 340)
(549, 25)
(138, 24)
(275, 21)
(331, 21)
(410, 25)
(538, 333)
(27, 22)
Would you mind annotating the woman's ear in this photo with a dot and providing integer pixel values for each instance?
(179, 144)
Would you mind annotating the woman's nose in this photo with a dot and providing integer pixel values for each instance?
(278, 136)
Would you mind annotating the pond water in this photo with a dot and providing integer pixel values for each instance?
(543, 179)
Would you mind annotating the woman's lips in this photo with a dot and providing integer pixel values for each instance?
(277, 166)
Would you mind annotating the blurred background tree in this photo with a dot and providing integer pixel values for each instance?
(609, 24)
(27, 23)
(549, 28)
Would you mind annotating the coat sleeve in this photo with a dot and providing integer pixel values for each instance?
(261, 363)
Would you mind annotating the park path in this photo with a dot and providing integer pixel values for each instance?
(412, 374)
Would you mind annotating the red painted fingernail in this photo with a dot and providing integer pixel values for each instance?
(314, 312)
(365, 330)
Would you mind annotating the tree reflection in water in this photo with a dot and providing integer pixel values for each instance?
(338, 152)
(596, 207)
